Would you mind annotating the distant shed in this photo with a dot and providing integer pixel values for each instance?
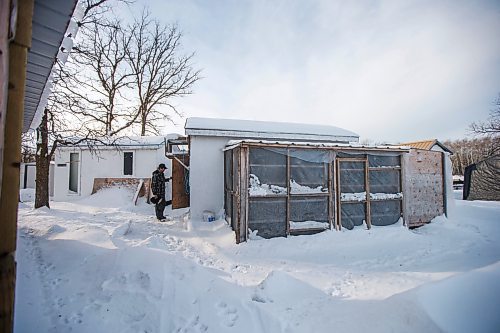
(482, 180)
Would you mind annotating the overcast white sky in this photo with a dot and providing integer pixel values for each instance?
(388, 70)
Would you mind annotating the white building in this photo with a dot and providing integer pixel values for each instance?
(208, 138)
(130, 157)
(27, 176)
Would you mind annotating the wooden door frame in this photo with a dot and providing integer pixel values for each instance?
(364, 159)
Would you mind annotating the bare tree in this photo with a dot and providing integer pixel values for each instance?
(28, 147)
(160, 72)
(116, 78)
(492, 125)
(96, 77)
(470, 151)
(81, 108)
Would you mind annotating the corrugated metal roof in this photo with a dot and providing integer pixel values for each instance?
(426, 145)
(50, 22)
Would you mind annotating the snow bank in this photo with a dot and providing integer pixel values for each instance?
(27, 195)
(296, 188)
(309, 225)
(468, 302)
(360, 196)
(98, 265)
(386, 196)
(112, 197)
(257, 189)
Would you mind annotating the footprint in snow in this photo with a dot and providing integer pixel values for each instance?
(193, 325)
(228, 314)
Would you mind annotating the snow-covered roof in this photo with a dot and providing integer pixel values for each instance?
(233, 143)
(267, 130)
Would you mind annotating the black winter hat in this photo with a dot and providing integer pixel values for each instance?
(162, 166)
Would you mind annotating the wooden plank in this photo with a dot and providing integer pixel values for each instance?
(339, 208)
(367, 189)
(7, 288)
(244, 193)
(10, 148)
(331, 196)
(132, 183)
(288, 192)
(236, 174)
(402, 179)
(180, 198)
(4, 72)
(138, 191)
(443, 173)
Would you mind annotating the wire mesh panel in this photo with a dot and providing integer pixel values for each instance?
(352, 214)
(385, 189)
(384, 160)
(385, 212)
(352, 176)
(352, 193)
(385, 181)
(309, 213)
(308, 172)
(267, 171)
(267, 216)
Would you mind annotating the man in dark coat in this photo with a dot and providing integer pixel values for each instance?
(158, 187)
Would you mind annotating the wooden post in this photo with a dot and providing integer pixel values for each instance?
(9, 194)
(367, 189)
(288, 192)
(330, 190)
(445, 189)
(244, 175)
(402, 186)
(339, 208)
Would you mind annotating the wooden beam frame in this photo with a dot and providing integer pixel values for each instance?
(11, 147)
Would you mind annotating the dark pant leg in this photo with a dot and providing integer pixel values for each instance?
(159, 208)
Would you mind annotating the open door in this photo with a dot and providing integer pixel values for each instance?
(178, 151)
(180, 182)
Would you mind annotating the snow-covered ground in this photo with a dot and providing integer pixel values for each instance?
(103, 265)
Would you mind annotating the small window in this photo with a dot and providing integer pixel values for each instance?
(74, 162)
(128, 159)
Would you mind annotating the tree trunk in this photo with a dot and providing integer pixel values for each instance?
(144, 120)
(42, 164)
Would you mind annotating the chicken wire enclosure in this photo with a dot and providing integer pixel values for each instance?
(278, 190)
(369, 189)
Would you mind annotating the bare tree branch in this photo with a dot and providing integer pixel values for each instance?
(160, 73)
(491, 126)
